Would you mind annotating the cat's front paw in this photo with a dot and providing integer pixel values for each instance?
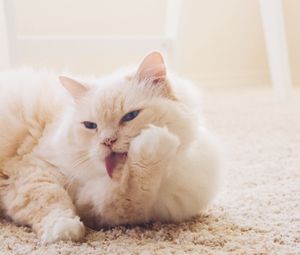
(62, 228)
(155, 142)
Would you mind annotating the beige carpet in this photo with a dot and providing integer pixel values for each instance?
(257, 213)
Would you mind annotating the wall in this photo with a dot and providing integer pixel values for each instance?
(291, 10)
(220, 42)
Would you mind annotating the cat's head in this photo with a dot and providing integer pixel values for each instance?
(112, 111)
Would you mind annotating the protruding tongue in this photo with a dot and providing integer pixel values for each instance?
(112, 160)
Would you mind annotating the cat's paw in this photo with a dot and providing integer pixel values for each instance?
(62, 228)
(155, 142)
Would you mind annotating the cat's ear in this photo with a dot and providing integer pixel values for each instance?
(152, 68)
(76, 89)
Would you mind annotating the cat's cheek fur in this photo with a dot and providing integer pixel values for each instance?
(83, 135)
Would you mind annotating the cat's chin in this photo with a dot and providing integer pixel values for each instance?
(114, 159)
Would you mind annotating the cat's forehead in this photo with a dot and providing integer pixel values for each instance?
(112, 92)
(112, 99)
(113, 96)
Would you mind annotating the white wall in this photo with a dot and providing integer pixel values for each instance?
(291, 10)
(90, 17)
(220, 42)
(4, 55)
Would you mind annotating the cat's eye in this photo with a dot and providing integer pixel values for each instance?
(89, 124)
(130, 116)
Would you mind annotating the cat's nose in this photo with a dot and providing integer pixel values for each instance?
(109, 141)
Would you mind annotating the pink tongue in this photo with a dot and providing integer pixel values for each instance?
(112, 160)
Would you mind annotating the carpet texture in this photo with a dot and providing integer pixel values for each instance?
(258, 210)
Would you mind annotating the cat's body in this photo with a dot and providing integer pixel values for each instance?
(63, 156)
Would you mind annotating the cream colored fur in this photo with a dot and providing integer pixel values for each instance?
(52, 168)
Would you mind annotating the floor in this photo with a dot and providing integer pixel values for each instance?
(258, 210)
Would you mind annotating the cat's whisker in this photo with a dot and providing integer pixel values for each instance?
(83, 164)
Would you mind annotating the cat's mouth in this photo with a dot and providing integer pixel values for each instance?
(112, 160)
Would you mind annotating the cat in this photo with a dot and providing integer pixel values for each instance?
(127, 148)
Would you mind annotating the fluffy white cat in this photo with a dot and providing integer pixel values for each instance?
(124, 149)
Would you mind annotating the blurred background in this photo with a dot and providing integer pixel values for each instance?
(217, 42)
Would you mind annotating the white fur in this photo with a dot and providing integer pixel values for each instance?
(155, 140)
(61, 227)
(174, 166)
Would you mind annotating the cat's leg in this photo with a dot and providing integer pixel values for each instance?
(147, 165)
(36, 197)
(193, 181)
